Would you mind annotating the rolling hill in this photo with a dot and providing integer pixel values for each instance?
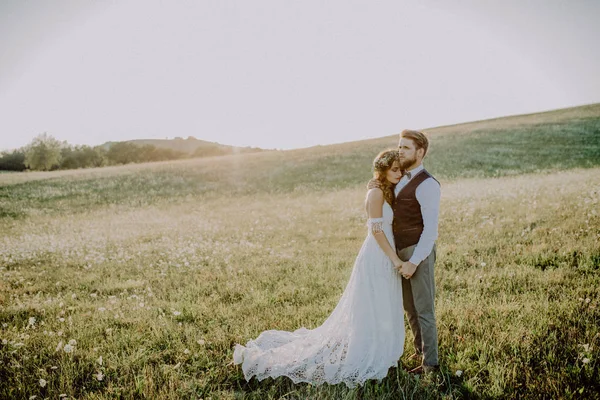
(192, 146)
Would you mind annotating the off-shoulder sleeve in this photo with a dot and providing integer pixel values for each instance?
(375, 225)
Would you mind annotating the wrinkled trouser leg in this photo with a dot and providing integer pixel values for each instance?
(418, 295)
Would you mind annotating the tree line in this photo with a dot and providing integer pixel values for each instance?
(46, 153)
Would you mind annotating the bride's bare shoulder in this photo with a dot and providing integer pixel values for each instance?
(375, 194)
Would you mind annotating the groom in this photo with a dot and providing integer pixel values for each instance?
(416, 210)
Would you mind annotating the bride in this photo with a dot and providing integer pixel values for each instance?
(364, 335)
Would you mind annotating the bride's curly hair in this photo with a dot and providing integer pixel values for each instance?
(381, 164)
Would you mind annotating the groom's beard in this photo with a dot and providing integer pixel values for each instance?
(406, 162)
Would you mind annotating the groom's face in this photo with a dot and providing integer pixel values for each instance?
(409, 155)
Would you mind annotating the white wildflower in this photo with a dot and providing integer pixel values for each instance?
(186, 351)
(459, 373)
(586, 347)
(483, 264)
(73, 342)
(201, 342)
(99, 360)
(31, 321)
(68, 348)
(586, 360)
(176, 313)
(99, 376)
(43, 382)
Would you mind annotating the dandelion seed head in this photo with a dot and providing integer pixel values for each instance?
(68, 348)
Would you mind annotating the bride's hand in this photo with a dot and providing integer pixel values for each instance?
(373, 184)
(408, 269)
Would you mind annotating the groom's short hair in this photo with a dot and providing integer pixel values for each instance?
(419, 138)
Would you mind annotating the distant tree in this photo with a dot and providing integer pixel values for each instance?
(95, 156)
(81, 157)
(12, 161)
(122, 153)
(43, 153)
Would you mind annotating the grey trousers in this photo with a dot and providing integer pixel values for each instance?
(418, 295)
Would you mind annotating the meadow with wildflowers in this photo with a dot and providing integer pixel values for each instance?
(136, 281)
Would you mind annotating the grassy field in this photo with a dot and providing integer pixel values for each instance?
(136, 281)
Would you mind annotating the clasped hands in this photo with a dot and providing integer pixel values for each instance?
(406, 269)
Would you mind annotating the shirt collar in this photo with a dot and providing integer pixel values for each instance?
(416, 170)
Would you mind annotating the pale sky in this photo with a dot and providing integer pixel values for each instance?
(285, 73)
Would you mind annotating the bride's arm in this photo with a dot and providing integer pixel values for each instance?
(375, 210)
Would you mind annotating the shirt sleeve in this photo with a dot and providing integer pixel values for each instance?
(428, 195)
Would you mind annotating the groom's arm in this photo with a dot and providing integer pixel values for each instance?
(428, 195)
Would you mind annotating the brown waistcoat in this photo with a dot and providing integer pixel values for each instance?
(408, 220)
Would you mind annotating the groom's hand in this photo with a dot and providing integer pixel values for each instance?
(374, 184)
(408, 269)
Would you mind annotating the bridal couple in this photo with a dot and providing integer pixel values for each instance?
(364, 335)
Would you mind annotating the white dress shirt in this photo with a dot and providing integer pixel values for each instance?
(428, 195)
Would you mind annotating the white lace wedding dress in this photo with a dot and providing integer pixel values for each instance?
(361, 339)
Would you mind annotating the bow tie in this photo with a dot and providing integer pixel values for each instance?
(407, 174)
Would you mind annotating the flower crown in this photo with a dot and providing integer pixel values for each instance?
(385, 161)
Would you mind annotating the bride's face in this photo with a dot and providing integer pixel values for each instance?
(394, 173)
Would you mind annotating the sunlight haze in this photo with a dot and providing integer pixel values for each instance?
(283, 74)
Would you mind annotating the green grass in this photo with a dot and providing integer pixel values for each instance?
(161, 268)
(487, 149)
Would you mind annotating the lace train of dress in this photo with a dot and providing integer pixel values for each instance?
(361, 339)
